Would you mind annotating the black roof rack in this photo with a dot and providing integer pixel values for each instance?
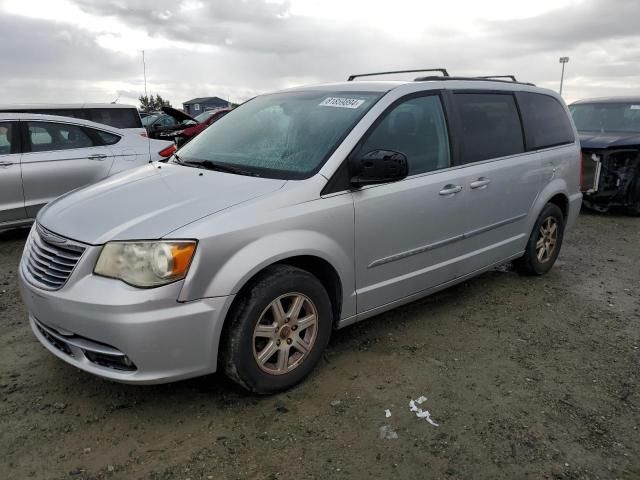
(441, 70)
(477, 79)
(490, 77)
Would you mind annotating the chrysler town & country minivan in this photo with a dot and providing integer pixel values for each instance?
(298, 213)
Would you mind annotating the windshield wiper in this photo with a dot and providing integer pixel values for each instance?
(219, 167)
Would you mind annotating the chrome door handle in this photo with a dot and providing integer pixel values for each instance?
(98, 156)
(5, 164)
(480, 183)
(449, 190)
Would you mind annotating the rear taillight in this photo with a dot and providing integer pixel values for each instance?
(167, 152)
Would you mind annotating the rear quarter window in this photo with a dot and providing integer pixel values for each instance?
(116, 117)
(102, 137)
(490, 126)
(546, 122)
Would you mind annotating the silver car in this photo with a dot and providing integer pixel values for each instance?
(45, 156)
(299, 213)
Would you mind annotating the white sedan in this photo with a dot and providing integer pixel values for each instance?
(44, 156)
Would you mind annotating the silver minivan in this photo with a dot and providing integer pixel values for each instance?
(298, 213)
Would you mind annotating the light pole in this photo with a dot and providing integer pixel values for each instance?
(563, 60)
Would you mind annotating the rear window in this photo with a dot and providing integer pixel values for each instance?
(116, 117)
(105, 138)
(546, 122)
(490, 126)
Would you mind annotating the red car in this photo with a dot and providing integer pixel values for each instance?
(204, 120)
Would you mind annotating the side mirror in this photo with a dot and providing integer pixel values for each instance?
(378, 166)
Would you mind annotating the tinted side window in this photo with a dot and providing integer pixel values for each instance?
(7, 143)
(416, 128)
(546, 123)
(45, 136)
(116, 117)
(105, 138)
(490, 126)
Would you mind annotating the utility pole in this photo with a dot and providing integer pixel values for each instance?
(563, 60)
(144, 70)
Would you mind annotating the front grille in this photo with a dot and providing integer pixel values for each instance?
(50, 264)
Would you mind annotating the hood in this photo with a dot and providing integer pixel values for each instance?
(148, 202)
(609, 139)
(177, 114)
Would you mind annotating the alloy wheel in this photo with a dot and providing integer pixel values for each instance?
(547, 239)
(285, 333)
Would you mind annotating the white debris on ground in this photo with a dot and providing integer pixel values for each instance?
(387, 413)
(387, 433)
(419, 412)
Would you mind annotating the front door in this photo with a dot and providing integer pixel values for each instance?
(407, 233)
(62, 157)
(11, 196)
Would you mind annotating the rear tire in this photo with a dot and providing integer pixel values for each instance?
(544, 243)
(278, 330)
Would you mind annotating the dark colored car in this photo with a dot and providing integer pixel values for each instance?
(164, 125)
(204, 120)
(609, 131)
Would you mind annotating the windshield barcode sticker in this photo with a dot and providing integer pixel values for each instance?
(341, 102)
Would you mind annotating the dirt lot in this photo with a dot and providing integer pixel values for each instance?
(526, 377)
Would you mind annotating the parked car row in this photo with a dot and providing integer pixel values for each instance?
(301, 212)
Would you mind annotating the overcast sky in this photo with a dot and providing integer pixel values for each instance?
(90, 50)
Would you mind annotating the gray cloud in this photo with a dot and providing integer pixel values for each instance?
(254, 46)
(572, 26)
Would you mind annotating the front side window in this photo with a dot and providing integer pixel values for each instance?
(545, 121)
(6, 138)
(149, 119)
(416, 128)
(282, 135)
(166, 121)
(47, 136)
(490, 126)
(607, 117)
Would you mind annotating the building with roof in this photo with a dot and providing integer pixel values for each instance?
(198, 105)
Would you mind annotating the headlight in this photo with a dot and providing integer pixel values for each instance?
(146, 263)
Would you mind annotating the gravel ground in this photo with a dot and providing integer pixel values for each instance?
(526, 378)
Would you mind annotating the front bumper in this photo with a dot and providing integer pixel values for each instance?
(122, 333)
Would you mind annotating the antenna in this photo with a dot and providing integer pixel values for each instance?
(144, 72)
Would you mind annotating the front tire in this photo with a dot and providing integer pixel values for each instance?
(279, 329)
(544, 243)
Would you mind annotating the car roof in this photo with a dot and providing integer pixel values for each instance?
(60, 119)
(608, 100)
(432, 83)
(20, 106)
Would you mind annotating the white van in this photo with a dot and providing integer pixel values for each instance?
(113, 114)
